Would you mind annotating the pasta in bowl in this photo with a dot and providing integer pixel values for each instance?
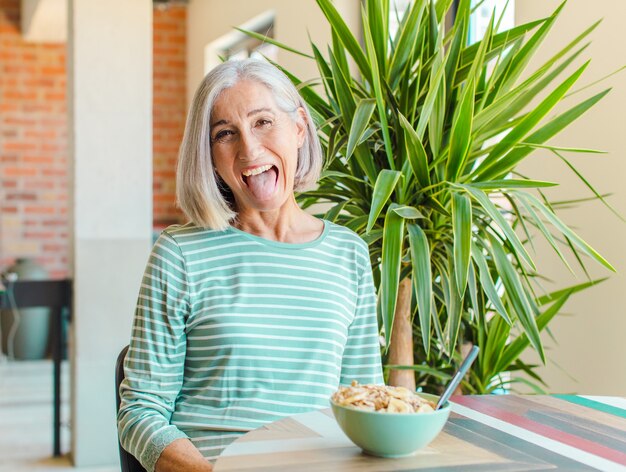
(388, 421)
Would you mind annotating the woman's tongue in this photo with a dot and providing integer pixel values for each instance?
(262, 185)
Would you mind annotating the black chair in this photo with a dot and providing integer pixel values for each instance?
(128, 462)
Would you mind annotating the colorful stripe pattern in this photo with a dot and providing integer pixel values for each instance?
(484, 433)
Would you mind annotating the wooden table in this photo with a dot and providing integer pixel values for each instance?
(484, 433)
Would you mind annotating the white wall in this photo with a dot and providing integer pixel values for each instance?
(110, 105)
(295, 20)
(590, 357)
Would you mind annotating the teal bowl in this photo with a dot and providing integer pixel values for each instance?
(391, 434)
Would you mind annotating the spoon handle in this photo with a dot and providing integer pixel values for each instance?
(456, 380)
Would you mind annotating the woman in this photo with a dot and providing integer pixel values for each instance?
(255, 310)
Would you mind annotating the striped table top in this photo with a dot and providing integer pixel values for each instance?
(484, 433)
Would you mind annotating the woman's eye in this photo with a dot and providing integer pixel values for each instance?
(223, 135)
(263, 122)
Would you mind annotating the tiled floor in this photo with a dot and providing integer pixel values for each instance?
(26, 419)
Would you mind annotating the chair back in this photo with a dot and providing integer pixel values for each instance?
(128, 462)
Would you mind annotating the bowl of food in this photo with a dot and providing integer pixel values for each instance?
(388, 421)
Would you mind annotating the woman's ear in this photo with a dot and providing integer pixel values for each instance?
(301, 126)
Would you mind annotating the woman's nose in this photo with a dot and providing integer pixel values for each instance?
(249, 146)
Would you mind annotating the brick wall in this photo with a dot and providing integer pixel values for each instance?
(33, 147)
(169, 112)
(33, 137)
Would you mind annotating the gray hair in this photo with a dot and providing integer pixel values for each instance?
(199, 191)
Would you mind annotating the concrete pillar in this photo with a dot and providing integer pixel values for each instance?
(110, 107)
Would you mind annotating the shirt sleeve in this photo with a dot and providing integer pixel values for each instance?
(154, 364)
(361, 358)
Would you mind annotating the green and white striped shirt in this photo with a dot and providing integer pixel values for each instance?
(233, 331)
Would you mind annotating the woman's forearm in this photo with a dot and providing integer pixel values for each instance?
(182, 455)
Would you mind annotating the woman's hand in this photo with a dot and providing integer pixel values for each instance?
(182, 455)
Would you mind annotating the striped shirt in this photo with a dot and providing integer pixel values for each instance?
(233, 331)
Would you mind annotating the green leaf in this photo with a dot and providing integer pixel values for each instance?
(588, 185)
(553, 296)
(525, 53)
(518, 345)
(340, 176)
(461, 133)
(563, 228)
(492, 167)
(378, 91)
(340, 53)
(497, 217)
(499, 41)
(406, 42)
(459, 40)
(455, 305)
(422, 279)
(346, 37)
(515, 292)
(415, 152)
(266, 39)
(393, 234)
(429, 101)
(462, 230)
(433, 24)
(503, 184)
(343, 92)
(408, 212)
(487, 284)
(546, 233)
(484, 45)
(502, 111)
(436, 116)
(494, 346)
(362, 116)
(331, 215)
(563, 149)
(549, 130)
(515, 99)
(385, 184)
(473, 292)
(378, 16)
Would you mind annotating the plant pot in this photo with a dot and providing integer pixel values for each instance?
(25, 332)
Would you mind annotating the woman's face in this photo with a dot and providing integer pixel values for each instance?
(255, 146)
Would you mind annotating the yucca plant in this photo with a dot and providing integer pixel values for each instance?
(423, 136)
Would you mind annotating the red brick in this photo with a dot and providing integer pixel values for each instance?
(40, 184)
(54, 172)
(12, 94)
(21, 196)
(54, 247)
(52, 70)
(40, 210)
(55, 96)
(42, 235)
(38, 159)
(19, 171)
(61, 223)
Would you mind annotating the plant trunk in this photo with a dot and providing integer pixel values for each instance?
(401, 346)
